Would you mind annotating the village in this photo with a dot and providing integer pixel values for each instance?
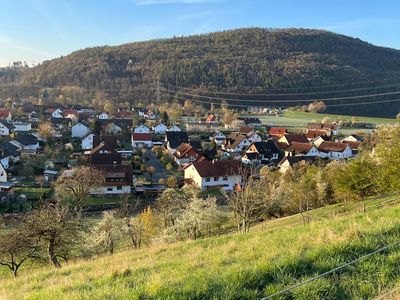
(141, 153)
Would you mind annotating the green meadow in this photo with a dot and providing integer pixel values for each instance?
(273, 256)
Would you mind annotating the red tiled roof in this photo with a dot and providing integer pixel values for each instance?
(314, 133)
(4, 113)
(353, 145)
(299, 148)
(141, 137)
(332, 146)
(300, 138)
(278, 131)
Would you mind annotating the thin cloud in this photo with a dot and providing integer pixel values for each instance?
(158, 2)
(196, 15)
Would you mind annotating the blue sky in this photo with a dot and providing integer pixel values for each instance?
(35, 30)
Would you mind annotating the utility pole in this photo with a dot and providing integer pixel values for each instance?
(158, 89)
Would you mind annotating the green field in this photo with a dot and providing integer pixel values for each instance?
(268, 259)
(298, 120)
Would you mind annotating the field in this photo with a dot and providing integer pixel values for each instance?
(298, 120)
(270, 258)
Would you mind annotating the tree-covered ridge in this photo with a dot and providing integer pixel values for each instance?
(244, 60)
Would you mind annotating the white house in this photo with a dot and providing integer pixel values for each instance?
(334, 150)
(240, 143)
(5, 159)
(103, 116)
(254, 137)
(26, 142)
(117, 180)
(58, 113)
(218, 137)
(142, 129)
(225, 174)
(6, 128)
(261, 153)
(174, 128)
(301, 149)
(33, 117)
(141, 140)
(87, 142)
(79, 130)
(22, 126)
(160, 128)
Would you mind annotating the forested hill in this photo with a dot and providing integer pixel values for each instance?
(237, 61)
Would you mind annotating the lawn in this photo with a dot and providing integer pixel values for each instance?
(297, 120)
(237, 266)
(31, 192)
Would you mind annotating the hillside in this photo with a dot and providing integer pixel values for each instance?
(268, 259)
(237, 61)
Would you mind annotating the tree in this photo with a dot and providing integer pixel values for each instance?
(171, 181)
(46, 130)
(135, 229)
(57, 230)
(110, 108)
(107, 232)
(77, 184)
(169, 205)
(228, 117)
(135, 120)
(150, 225)
(317, 107)
(151, 170)
(164, 117)
(197, 217)
(249, 203)
(16, 247)
(398, 116)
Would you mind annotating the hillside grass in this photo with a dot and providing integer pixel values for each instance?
(299, 120)
(237, 266)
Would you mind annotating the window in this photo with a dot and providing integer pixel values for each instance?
(208, 179)
(225, 178)
(119, 188)
(215, 178)
(109, 189)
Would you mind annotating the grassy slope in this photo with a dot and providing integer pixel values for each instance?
(237, 266)
(296, 120)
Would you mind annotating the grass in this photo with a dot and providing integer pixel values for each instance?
(32, 193)
(238, 266)
(297, 120)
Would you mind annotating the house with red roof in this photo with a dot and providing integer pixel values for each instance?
(5, 114)
(141, 140)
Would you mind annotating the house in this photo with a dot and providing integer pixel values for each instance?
(26, 142)
(301, 149)
(71, 114)
(353, 145)
(218, 138)
(174, 139)
(211, 118)
(57, 113)
(288, 139)
(174, 128)
(277, 132)
(20, 126)
(117, 180)
(79, 130)
(240, 143)
(313, 134)
(261, 153)
(225, 174)
(88, 141)
(186, 154)
(141, 129)
(353, 138)
(123, 114)
(160, 128)
(254, 137)
(246, 130)
(288, 162)
(103, 116)
(141, 140)
(6, 128)
(33, 117)
(329, 128)
(10, 151)
(4, 184)
(5, 114)
(112, 129)
(334, 150)
(50, 175)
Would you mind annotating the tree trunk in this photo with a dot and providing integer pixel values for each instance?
(51, 250)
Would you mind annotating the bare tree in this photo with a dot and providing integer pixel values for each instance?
(249, 203)
(78, 183)
(16, 247)
(134, 227)
(107, 232)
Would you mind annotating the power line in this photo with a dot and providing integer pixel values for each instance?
(287, 101)
(332, 270)
(282, 94)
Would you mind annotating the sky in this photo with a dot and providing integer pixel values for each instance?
(37, 30)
